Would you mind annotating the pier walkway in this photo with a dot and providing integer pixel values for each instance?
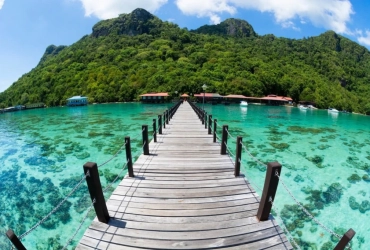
(184, 196)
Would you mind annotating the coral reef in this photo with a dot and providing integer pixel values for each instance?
(354, 178)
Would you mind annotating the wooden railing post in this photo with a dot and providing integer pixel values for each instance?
(238, 155)
(15, 240)
(347, 237)
(155, 130)
(160, 124)
(164, 119)
(224, 139)
(96, 191)
(145, 139)
(214, 130)
(129, 157)
(202, 116)
(167, 115)
(209, 124)
(269, 190)
(205, 120)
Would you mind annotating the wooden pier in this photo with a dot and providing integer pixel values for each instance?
(184, 196)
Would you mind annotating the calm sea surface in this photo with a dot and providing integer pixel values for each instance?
(325, 159)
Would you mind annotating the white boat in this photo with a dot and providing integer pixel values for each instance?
(302, 107)
(332, 110)
(243, 103)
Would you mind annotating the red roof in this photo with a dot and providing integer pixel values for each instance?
(184, 95)
(277, 98)
(155, 94)
(272, 98)
(208, 95)
(235, 96)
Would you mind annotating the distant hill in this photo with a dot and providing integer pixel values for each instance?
(230, 27)
(137, 53)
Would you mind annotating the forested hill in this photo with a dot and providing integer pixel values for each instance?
(137, 53)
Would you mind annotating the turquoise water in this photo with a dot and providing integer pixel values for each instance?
(325, 158)
(326, 165)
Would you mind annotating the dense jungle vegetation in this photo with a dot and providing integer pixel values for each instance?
(138, 53)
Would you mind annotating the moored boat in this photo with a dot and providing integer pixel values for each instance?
(243, 103)
(333, 110)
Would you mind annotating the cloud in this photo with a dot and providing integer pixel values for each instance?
(330, 14)
(206, 8)
(290, 24)
(363, 37)
(1, 3)
(105, 9)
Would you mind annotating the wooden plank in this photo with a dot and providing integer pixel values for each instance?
(189, 212)
(168, 227)
(140, 189)
(188, 200)
(182, 206)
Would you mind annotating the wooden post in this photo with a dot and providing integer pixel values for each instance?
(155, 130)
(214, 130)
(164, 119)
(202, 116)
(145, 139)
(205, 120)
(269, 190)
(167, 114)
(347, 237)
(224, 139)
(15, 240)
(96, 191)
(160, 124)
(238, 156)
(129, 157)
(209, 124)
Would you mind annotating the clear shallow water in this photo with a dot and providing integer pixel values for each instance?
(42, 153)
(326, 165)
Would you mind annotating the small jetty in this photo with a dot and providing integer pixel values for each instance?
(184, 195)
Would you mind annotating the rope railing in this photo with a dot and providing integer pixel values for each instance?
(249, 179)
(305, 210)
(119, 174)
(55, 208)
(282, 224)
(253, 157)
(79, 227)
(119, 150)
(232, 137)
(228, 149)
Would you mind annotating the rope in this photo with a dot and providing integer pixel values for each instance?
(232, 137)
(79, 227)
(123, 168)
(249, 179)
(305, 210)
(56, 208)
(119, 150)
(283, 225)
(228, 149)
(254, 158)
